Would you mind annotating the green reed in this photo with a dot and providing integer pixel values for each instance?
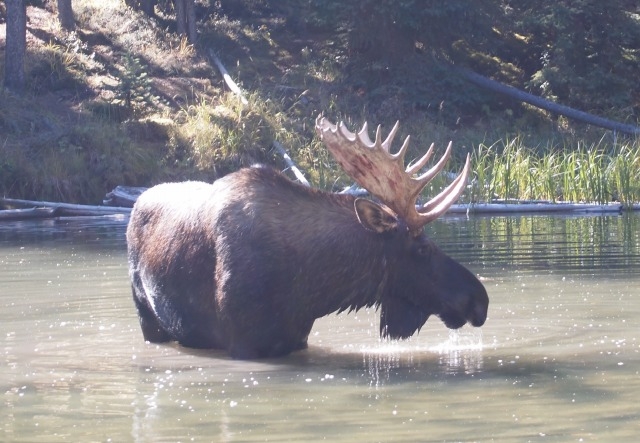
(598, 172)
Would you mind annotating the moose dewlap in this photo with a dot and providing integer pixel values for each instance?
(248, 263)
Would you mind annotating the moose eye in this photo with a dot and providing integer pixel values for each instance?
(422, 250)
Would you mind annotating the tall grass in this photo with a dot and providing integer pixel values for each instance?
(598, 172)
(213, 138)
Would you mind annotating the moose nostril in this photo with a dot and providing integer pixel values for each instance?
(478, 314)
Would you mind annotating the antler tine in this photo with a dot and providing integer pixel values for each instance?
(438, 205)
(383, 174)
(386, 144)
(363, 135)
(342, 128)
(431, 173)
(415, 167)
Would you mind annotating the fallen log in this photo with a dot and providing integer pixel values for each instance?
(292, 166)
(26, 214)
(533, 207)
(227, 78)
(123, 196)
(539, 102)
(62, 209)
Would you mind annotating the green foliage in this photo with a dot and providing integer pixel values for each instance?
(379, 61)
(134, 89)
(586, 53)
(509, 170)
(80, 166)
(389, 29)
(212, 138)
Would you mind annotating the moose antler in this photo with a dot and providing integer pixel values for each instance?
(375, 168)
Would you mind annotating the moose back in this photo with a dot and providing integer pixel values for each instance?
(248, 263)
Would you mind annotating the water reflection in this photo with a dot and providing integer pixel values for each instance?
(102, 232)
(584, 244)
(558, 358)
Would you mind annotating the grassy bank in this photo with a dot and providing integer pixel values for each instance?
(125, 102)
(598, 172)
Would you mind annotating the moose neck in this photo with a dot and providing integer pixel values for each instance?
(334, 262)
(353, 259)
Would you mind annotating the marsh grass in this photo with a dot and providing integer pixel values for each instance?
(218, 137)
(599, 172)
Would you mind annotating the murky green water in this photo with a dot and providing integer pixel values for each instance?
(557, 360)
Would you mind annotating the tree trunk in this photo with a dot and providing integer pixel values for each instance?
(181, 17)
(65, 15)
(550, 106)
(14, 77)
(186, 19)
(192, 32)
(148, 7)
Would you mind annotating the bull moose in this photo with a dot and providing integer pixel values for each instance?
(248, 263)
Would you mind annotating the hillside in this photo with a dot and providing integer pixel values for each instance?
(125, 101)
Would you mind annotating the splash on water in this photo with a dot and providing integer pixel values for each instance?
(459, 340)
(460, 353)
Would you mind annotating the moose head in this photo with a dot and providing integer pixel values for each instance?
(441, 284)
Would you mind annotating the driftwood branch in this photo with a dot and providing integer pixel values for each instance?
(492, 85)
(292, 166)
(123, 196)
(51, 209)
(227, 78)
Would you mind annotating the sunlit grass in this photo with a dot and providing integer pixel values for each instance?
(598, 172)
(219, 136)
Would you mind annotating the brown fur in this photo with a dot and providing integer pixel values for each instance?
(248, 263)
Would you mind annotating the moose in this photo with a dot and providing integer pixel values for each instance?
(248, 263)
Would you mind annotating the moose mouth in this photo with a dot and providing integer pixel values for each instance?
(453, 320)
(476, 315)
(401, 318)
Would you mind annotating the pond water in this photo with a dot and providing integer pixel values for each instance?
(557, 360)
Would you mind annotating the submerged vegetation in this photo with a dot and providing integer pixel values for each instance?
(126, 101)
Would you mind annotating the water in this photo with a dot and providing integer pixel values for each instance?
(557, 360)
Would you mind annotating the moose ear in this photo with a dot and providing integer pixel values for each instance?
(375, 217)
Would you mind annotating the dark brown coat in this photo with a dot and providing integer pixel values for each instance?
(249, 262)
